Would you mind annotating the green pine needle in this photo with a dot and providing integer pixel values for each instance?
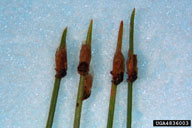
(53, 103)
(129, 104)
(131, 36)
(89, 33)
(130, 85)
(114, 87)
(63, 39)
(112, 106)
(79, 102)
(55, 88)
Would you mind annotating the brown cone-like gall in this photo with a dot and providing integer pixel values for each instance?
(118, 67)
(132, 67)
(85, 58)
(61, 62)
(87, 86)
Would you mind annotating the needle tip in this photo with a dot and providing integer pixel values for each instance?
(89, 33)
(63, 39)
(65, 28)
(133, 12)
(120, 36)
(121, 25)
(91, 21)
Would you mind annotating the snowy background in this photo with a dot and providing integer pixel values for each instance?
(30, 32)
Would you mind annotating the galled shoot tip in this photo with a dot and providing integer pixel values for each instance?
(118, 60)
(61, 57)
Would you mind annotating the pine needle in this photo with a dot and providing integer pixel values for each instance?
(79, 102)
(55, 88)
(114, 87)
(130, 84)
